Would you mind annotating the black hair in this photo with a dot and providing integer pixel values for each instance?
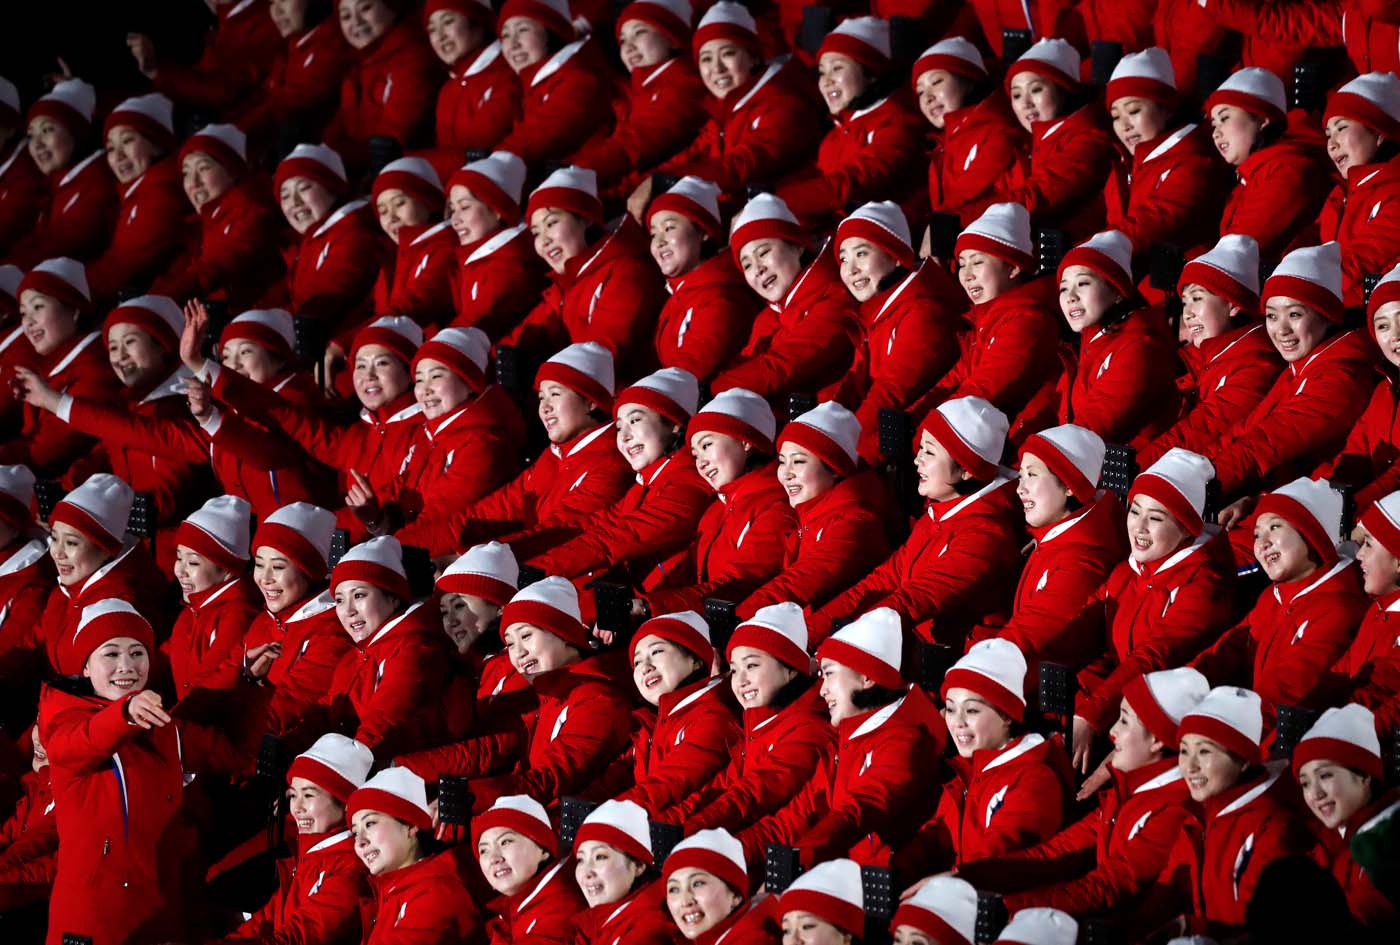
(677, 439)
(791, 691)
(699, 674)
(876, 696)
(317, 11)
(756, 459)
(1119, 311)
(1072, 503)
(878, 85)
(891, 278)
(966, 487)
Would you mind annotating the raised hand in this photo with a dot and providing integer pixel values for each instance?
(33, 390)
(192, 338)
(361, 499)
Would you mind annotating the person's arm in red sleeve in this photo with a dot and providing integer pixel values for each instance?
(978, 184)
(84, 741)
(406, 678)
(331, 915)
(791, 823)
(800, 355)
(623, 314)
(920, 353)
(870, 591)
(499, 745)
(759, 558)
(543, 328)
(780, 134)
(788, 766)
(832, 563)
(975, 562)
(1123, 394)
(1029, 812)
(1010, 370)
(1202, 429)
(1307, 22)
(1275, 206)
(1070, 851)
(308, 679)
(652, 132)
(244, 254)
(1177, 200)
(728, 315)
(254, 446)
(1039, 627)
(553, 126)
(702, 755)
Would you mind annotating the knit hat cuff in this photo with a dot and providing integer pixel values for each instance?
(400, 346)
(765, 228)
(1230, 738)
(522, 823)
(846, 916)
(1059, 464)
(1362, 109)
(681, 634)
(843, 44)
(867, 664)
(456, 360)
(1306, 291)
(692, 211)
(732, 874)
(877, 235)
(1345, 753)
(1101, 263)
(671, 26)
(733, 32)
(576, 381)
(322, 775)
(1012, 703)
(368, 798)
(1155, 487)
(930, 923)
(937, 426)
(1382, 528)
(539, 614)
(614, 837)
(52, 285)
(488, 192)
(1251, 103)
(299, 550)
(477, 585)
(572, 199)
(976, 242)
(653, 400)
(369, 572)
(712, 421)
(1141, 86)
(1218, 282)
(1159, 724)
(771, 642)
(78, 518)
(947, 63)
(819, 445)
(202, 543)
(259, 334)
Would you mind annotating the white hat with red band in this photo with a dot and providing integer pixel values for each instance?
(1004, 231)
(1073, 454)
(377, 562)
(1162, 698)
(70, 101)
(1312, 507)
(765, 216)
(671, 17)
(831, 891)
(973, 431)
(864, 39)
(522, 814)
(400, 334)
(302, 532)
(316, 162)
(1345, 735)
(716, 851)
(99, 508)
(226, 144)
(570, 188)
(270, 328)
(726, 20)
(741, 414)
(151, 115)
(1178, 481)
(1382, 520)
(672, 392)
(1313, 276)
(686, 629)
(1254, 89)
(488, 571)
(1040, 926)
(1229, 269)
(464, 351)
(995, 669)
(882, 224)
(1146, 74)
(829, 432)
(62, 278)
(585, 368)
(334, 762)
(1109, 254)
(497, 180)
(1372, 99)
(695, 199)
(621, 825)
(397, 792)
(218, 530)
(156, 315)
(1052, 58)
(1231, 717)
(415, 177)
(106, 619)
(871, 645)
(954, 54)
(780, 630)
(944, 907)
(552, 605)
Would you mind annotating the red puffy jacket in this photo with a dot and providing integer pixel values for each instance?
(1124, 388)
(1062, 186)
(331, 271)
(1363, 214)
(498, 279)
(318, 895)
(208, 632)
(695, 733)
(1368, 459)
(542, 914)
(77, 218)
(980, 152)
(26, 579)
(1171, 189)
(418, 285)
(129, 577)
(46, 444)
(1333, 851)
(566, 103)
(705, 322)
(421, 904)
(476, 107)
(22, 191)
(1280, 193)
(232, 63)
(640, 918)
(303, 83)
(153, 225)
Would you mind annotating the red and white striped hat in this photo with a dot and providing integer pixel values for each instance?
(99, 508)
(871, 645)
(17, 497)
(672, 392)
(1178, 480)
(270, 328)
(945, 908)
(522, 814)
(1346, 735)
(1313, 276)
(415, 177)
(302, 532)
(863, 39)
(1382, 520)
(1040, 926)
(99, 622)
(695, 199)
(397, 792)
(552, 605)
(715, 851)
(882, 224)
(832, 892)
(464, 351)
(779, 630)
(1073, 454)
(740, 414)
(1004, 231)
(497, 180)
(488, 571)
(150, 115)
(226, 144)
(335, 763)
(156, 315)
(685, 628)
(672, 18)
(70, 102)
(995, 669)
(553, 15)
(585, 368)
(1145, 74)
(1254, 89)
(1109, 254)
(726, 20)
(316, 162)
(61, 278)
(1231, 717)
(621, 825)
(1314, 508)
(1163, 698)
(571, 188)
(1372, 99)
(1053, 59)
(1229, 269)
(218, 530)
(829, 432)
(955, 55)
(377, 562)
(765, 216)
(973, 431)
(400, 334)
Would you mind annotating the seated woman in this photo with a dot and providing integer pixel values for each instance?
(709, 311)
(1282, 177)
(26, 570)
(1078, 537)
(1162, 606)
(873, 794)
(581, 474)
(615, 869)
(806, 338)
(663, 106)
(517, 850)
(1296, 531)
(739, 540)
(839, 526)
(568, 87)
(153, 222)
(787, 728)
(579, 728)
(1071, 151)
(707, 891)
(237, 224)
(499, 277)
(911, 316)
(1013, 325)
(1362, 124)
(981, 814)
(1339, 769)
(1368, 673)
(302, 86)
(1169, 186)
(605, 287)
(480, 101)
(873, 151)
(409, 200)
(320, 889)
(1247, 818)
(824, 904)
(955, 569)
(76, 217)
(332, 265)
(211, 558)
(977, 143)
(1124, 388)
(648, 529)
(695, 730)
(474, 591)
(388, 687)
(393, 830)
(1230, 362)
(390, 87)
(1106, 860)
(940, 907)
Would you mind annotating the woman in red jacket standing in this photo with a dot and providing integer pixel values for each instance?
(408, 198)
(839, 529)
(805, 340)
(1280, 190)
(1339, 768)
(1230, 362)
(499, 277)
(517, 850)
(1124, 388)
(710, 310)
(418, 896)
(1071, 150)
(695, 730)
(739, 540)
(955, 570)
(615, 868)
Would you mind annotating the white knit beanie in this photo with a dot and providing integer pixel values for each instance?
(1229, 269)
(672, 392)
(1004, 231)
(1178, 480)
(1073, 454)
(995, 669)
(973, 431)
(882, 224)
(871, 645)
(829, 432)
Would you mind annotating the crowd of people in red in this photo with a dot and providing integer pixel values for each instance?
(371, 624)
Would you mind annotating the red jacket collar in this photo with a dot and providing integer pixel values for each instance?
(755, 481)
(719, 269)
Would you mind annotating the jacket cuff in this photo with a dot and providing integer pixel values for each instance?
(213, 423)
(64, 408)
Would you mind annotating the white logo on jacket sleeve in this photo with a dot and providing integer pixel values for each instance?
(1137, 827)
(559, 723)
(316, 886)
(971, 156)
(593, 303)
(1171, 599)
(1044, 580)
(994, 805)
(578, 482)
(1242, 858)
(321, 259)
(403, 909)
(1298, 634)
(1104, 366)
(740, 540)
(1375, 209)
(680, 737)
(865, 765)
(388, 85)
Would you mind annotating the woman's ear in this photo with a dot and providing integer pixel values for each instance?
(1234, 312)
(1015, 272)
